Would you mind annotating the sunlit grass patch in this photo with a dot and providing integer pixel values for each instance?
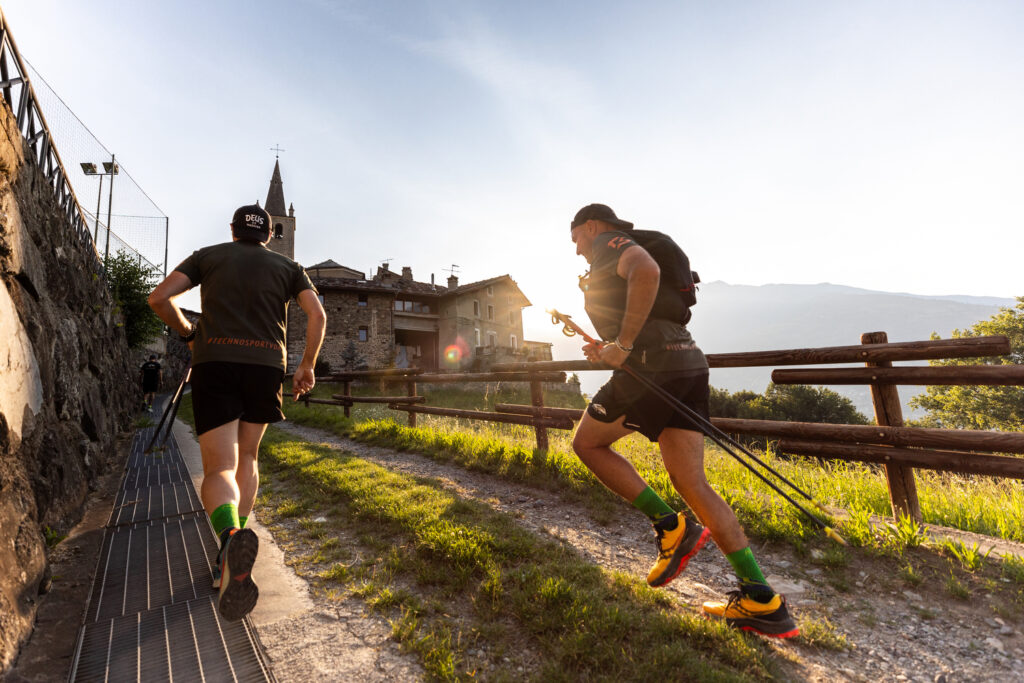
(577, 617)
(820, 632)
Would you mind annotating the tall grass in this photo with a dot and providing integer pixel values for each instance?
(984, 505)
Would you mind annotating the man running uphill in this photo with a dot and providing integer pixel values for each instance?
(638, 299)
(238, 364)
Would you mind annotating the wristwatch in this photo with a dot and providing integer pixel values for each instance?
(191, 335)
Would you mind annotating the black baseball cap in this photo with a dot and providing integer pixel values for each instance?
(599, 212)
(251, 222)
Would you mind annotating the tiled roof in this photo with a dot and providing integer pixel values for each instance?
(465, 289)
(396, 286)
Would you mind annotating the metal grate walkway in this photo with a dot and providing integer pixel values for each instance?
(152, 613)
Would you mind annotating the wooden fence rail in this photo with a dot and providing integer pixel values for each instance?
(899, 449)
(953, 375)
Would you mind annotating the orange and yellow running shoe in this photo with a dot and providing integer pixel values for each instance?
(675, 548)
(743, 612)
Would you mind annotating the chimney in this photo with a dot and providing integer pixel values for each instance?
(406, 273)
(453, 281)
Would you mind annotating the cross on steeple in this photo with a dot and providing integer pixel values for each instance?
(277, 150)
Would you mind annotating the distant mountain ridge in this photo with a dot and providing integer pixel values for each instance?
(730, 318)
(780, 316)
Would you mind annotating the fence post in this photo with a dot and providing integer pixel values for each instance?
(411, 391)
(537, 400)
(888, 413)
(347, 391)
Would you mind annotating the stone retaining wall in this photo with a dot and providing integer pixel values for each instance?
(67, 382)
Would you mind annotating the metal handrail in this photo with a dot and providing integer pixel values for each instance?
(27, 112)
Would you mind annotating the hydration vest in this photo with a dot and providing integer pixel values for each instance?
(605, 292)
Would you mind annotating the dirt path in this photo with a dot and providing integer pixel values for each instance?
(896, 634)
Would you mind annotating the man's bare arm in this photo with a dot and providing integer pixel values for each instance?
(316, 324)
(161, 300)
(642, 276)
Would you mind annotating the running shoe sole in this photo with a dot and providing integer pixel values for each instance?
(679, 562)
(238, 592)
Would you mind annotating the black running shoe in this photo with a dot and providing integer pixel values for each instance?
(238, 592)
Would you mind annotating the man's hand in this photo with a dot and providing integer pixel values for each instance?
(591, 351)
(303, 381)
(612, 355)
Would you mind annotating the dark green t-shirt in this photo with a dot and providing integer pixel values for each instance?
(663, 344)
(245, 289)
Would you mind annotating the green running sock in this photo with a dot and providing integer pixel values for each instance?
(224, 517)
(242, 520)
(651, 504)
(748, 572)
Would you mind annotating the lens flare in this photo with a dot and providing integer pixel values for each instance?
(454, 353)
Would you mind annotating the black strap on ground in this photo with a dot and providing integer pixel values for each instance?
(152, 613)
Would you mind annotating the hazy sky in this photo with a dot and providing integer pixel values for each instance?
(872, 144)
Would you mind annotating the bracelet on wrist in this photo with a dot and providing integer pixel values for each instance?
(627, 349)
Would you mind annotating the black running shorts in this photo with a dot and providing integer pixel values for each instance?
(223, 392)
(647, 412)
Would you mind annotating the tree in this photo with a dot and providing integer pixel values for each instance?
(980, 407)
(803, 403)
(130, 283)
(352, 359)
(793, 403)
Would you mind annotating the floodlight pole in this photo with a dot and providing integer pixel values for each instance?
(110, 206)
(99, 201)
(167, 232)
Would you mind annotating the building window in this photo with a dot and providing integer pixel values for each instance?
(278, 231)
(490, 312)
(492, 339)
(362, 300)
(514, 342)
(476, 310)
(476, 333)
(364, 333)
(511, 317)
(490, 290)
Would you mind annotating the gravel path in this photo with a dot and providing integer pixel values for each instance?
(895, 634)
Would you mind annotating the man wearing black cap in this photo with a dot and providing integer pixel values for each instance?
(638, 293)
(151, 374)
(238, 364)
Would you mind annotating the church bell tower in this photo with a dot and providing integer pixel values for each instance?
(282, 221)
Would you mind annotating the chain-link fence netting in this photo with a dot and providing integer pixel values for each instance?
(136, 224)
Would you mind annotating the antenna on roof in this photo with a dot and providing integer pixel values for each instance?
(453, 270)
(386, 262)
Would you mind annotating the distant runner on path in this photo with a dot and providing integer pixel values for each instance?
(238, 365)
(150, 374)
(638, 294)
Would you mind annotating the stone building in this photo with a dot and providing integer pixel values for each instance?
(392, 320)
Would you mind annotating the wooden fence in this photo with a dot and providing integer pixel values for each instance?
(899, 449)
